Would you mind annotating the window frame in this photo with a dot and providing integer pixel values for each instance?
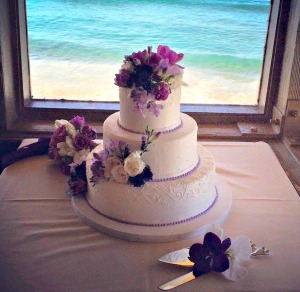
(22, 116)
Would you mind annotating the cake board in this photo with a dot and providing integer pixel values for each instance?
(198, 226)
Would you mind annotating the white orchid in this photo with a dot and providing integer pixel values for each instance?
(238, 254)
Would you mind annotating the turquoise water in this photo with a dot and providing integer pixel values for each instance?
(224, 38)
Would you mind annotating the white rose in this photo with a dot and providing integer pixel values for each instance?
(109, 163)
(66, 148)
(119, 174)
(134, 164)
(69, 127)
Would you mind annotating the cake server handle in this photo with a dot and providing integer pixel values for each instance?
(177, 282)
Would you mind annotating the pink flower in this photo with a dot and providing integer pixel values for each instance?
(166, 53)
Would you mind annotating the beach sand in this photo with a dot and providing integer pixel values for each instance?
(95, 82)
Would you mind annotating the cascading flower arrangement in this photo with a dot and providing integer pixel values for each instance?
(117, 163)
(69, 146)
(151, 77)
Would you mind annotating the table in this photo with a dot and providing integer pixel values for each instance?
(45, 247)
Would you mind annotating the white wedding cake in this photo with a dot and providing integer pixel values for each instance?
(150, 170)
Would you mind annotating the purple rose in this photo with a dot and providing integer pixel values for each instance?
(78, 122)
(161, 92)
(81, 142)
(59, 135)
(89, 132)
(123, 79)
(78, 187)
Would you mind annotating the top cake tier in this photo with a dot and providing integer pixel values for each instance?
(167, 120)
(150, 90)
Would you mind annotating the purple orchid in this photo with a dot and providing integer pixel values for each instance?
(209, 256)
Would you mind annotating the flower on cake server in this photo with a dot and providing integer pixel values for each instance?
(238, 254)
(134, 164)
(209, 256)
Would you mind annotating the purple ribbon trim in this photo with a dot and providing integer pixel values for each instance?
(159, 224)
(141, 133)
(178, 176)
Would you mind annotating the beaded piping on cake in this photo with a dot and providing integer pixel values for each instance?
(160, 224)
(178, 176)
(162, 132)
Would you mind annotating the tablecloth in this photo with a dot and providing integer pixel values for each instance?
(44, 246)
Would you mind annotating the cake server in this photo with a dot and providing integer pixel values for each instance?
(181, 257)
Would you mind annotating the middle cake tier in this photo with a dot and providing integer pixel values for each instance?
(174, 154)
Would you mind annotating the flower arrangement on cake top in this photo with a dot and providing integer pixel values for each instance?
(117, 163)
(151, 77)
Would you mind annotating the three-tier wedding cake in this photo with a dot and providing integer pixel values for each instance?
(150, 170)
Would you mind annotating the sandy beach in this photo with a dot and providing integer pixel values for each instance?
(95, 82)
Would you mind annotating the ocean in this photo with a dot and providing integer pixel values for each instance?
(77, 46)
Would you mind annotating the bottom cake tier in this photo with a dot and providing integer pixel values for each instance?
(160, 203)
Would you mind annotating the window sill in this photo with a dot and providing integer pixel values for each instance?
(233, 131)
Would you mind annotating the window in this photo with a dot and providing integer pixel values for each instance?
(23, 115)
(75, 48)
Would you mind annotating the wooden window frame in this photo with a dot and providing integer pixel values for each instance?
(21, 116)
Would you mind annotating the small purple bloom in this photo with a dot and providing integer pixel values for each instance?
(77, 187)
(139, 57)
(81, 142)
(123, 79)
(155, 109)
(161, 92)
(110, 145)
(89, 131)
(78, 122)
(101, 156)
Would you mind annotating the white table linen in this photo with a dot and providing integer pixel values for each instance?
(44, 246)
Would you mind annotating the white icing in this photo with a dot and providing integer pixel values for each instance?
(169, 117)
(156, 202)
(172, 154)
